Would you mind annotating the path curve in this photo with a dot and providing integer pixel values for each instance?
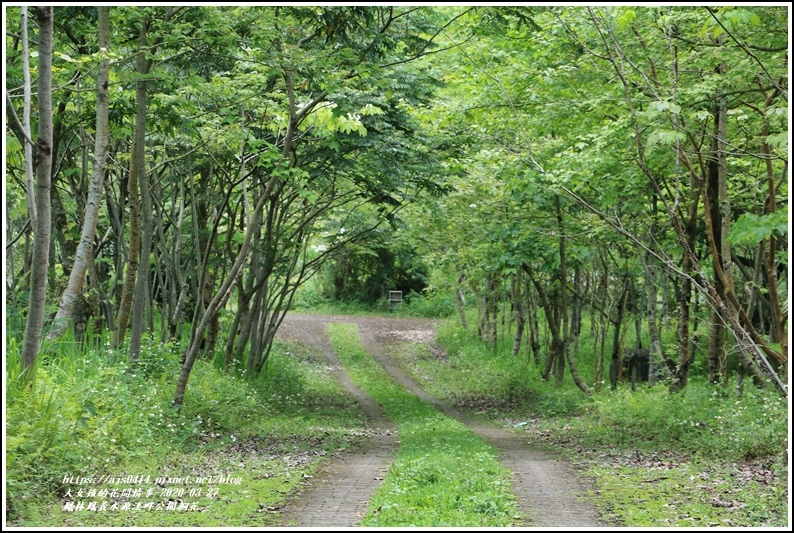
(546, 488)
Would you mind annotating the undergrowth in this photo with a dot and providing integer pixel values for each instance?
(699, 437)
(89, 414)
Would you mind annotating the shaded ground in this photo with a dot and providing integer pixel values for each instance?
(547, 489)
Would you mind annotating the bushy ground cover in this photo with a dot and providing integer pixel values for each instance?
(700, 457)
(90, 423)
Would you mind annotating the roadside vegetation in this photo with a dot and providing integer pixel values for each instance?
(89, 415)
(700, 457)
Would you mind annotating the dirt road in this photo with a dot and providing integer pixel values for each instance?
(547, 489)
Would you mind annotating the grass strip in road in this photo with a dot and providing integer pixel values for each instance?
(443, 474)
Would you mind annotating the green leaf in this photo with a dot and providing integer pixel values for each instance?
(63, 56)
(751, 229)
(311, 196)
(626, 18)
(664, 138)
(778, 140)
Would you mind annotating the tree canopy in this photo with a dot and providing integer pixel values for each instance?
(624, 159)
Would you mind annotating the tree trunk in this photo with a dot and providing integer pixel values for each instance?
(494, 301)
(142, 66)
(534, 330)
(725, 224)
(84, 254)
(133, 252)
(655, 341)
(42, 227)
(717, 329)
(220, 298)
(566, 347)
(557, 350)
(576, 309)
(616, 364)
(26, 110)
(518, 302)
(679, 381)
(778, 318)
(459, 303)
(238, 323)
(485, 317)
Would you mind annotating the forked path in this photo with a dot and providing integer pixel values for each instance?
(547, 490)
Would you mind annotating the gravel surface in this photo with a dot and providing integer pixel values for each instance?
(548, 490)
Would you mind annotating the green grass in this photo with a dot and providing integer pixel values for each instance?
(695, 458)
(88, 416)
(698, 458)
(443, 474)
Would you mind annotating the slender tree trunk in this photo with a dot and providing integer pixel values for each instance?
(534, 330)
(212, 332)
(599, 363)
(752, 283)
(725, 223)
(256, 324)
(83, 256)
(564, 304)
(11, 280)
(603, 291)
(681, 378)
(616, 364)
(553, 320)
(220, 298)
(495, 314)
(576, 309)
(237, 324)
(42, 227)
(778, 319)
(717, 330)
(485, 316)
(518, 302)
(26, 110)
(133, 252)
(459, 303)
(116, 216)
(636, 310)
(140, 297)
(655, 341)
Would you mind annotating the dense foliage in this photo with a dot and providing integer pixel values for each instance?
(550, 176)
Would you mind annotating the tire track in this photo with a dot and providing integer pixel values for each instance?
(546, 488)
(339, 494)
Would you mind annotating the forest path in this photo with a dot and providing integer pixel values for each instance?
(548, 492)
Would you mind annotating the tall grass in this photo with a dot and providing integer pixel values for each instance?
(700, 456)
(704, 419)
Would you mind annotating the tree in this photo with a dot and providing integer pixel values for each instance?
(42, 223)
(84, 254)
